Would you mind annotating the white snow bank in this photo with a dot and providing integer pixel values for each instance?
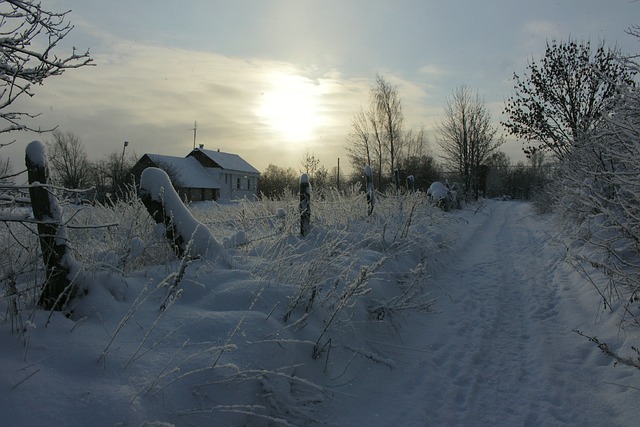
(501, 351)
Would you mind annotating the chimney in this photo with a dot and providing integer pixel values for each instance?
(218, 150)
(201, 146)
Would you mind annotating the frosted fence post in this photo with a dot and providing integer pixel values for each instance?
(396, 180)
(188, 237)
(153, 199)
(370, 191)
(53, 242)
(411, 184)
(305, 205)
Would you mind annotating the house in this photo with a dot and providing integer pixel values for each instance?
(205, 174)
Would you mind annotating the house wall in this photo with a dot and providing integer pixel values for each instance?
(198, 194)
(238, 185)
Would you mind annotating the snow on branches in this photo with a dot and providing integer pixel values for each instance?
(29, 36)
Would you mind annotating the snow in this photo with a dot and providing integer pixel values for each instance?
(35, 151)
(437, 191)
(304, 183)
(156, 183)
(188, 171)
(499, 350)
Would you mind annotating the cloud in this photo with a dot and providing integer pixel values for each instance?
(431, 70)
(541, 28)
(151, 96)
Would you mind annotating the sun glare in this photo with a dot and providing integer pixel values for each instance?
(291, 107)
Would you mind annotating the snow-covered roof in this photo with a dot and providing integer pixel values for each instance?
(187, 171)
(228, 161)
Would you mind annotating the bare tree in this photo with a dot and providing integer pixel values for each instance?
(389, 116)
(29, 36)
(311, 166)
(376, 137)
(112, 176)
(563, 97)
(68, 160)
(416, 160)
(310, 163)
(466, 136)
(360, 141)
(277, 182)
(415, 142)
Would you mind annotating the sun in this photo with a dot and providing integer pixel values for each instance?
(290, 107)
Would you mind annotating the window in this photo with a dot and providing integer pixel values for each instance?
(238, 185)
(248, 183)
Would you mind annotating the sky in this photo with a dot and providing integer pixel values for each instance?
(273, 80)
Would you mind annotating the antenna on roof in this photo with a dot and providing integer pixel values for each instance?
(195, 128)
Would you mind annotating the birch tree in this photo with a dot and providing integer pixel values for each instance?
(376, 136)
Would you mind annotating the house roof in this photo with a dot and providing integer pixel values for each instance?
(228, 161)
(187, 171)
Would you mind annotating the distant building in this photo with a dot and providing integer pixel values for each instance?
(205, 174)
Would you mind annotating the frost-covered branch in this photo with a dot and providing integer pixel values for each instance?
(604, 347)
(29, 39)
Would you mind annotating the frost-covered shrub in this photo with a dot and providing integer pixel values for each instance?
(599, 201)
(336, 270)
(442, 196)
(117, 236)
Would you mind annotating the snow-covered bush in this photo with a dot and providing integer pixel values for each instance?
(337, 268)
(599, 202)
(118, 236)
(442, 196)
(601, 198)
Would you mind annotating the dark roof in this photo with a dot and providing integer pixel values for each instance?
(228, 161)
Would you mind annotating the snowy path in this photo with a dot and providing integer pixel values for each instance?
(509, 362)
(501, 351)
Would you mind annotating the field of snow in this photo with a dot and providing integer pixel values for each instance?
(410, 317)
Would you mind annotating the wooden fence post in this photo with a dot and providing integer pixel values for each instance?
(371, 201)
(411, 184)
(305, 205)
(157, 209)
(186, 235)
(396, 180)
(55, 254)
